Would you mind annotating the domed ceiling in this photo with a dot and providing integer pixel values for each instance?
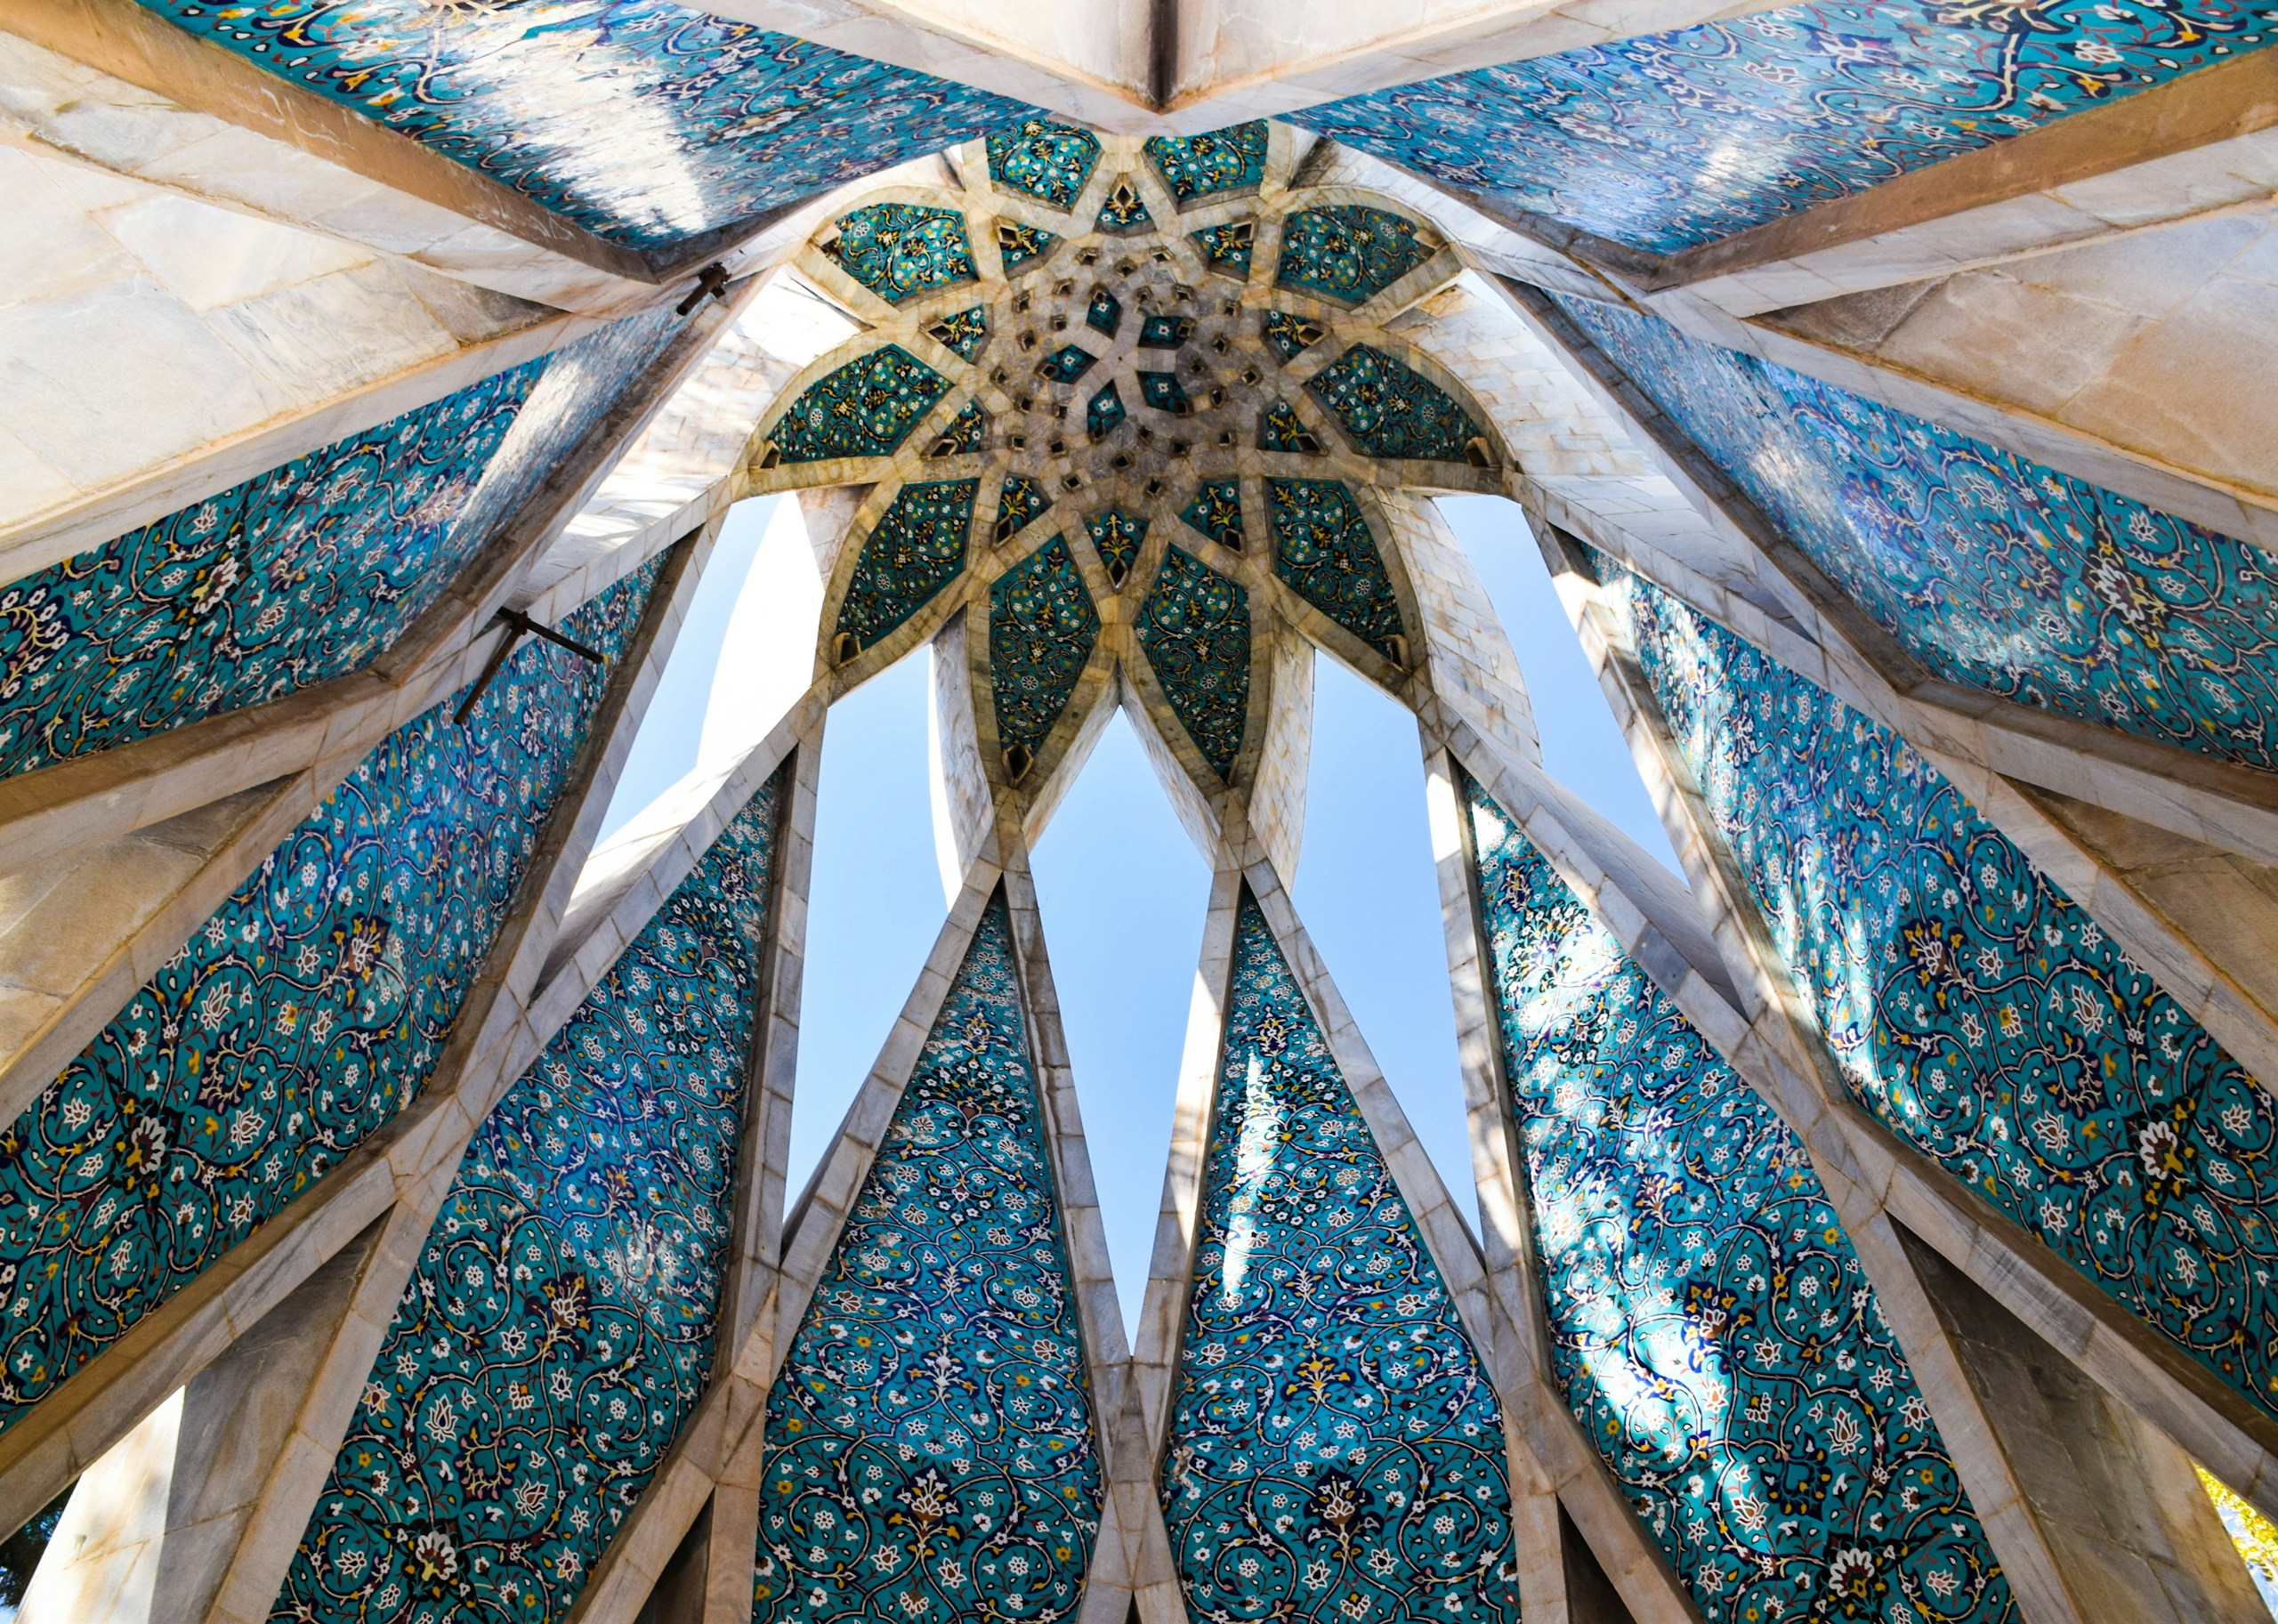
(1130, 405)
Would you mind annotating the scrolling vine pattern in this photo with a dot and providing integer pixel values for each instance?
(1347, 252)
(1041, 630)
(1993, 571)
(1050, 162)
(1336, 1450)
(1388, 408)
(1710, 1326)
(1323, 549)
(1194, 626)
(931, 1448)
(559, 1326)
(865, 408)
(1972, 1006)
(303, 1015)
(900, 250)
(916, 547)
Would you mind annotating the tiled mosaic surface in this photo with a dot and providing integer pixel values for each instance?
(1198, 166)
(559, 1326)
(1050, 162)
(1104, 314)
(1229, 247)
(1280, 429)
(1335, 1450)
(643, 121)
(1667, 140)
(1288, 337)
(1019, 242)
(1066, 364)
(1021, 501)
(916, 547)
(299, 1019)
(1164, 392)
(300, 575)
(1195, 627)
(931, 1449)
(1347, 252)
(1993, 571)
(1978, 1012)
(1125, 210)
(1216, 511)
(1323, 549)
(865, 408)
(900, 250)
(1041, 629)
(966, 331)
(1710, 1326)
(1387, 409)
(1104, 413)
(1116, 536)
(968, 432)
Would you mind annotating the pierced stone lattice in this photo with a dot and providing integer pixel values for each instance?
(930, 1443)
(1336, 1451)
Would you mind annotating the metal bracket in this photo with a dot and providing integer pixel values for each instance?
(518, 625)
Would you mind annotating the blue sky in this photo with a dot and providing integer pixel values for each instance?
(1122, 887)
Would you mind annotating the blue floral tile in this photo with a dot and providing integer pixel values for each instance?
(966, 331)
(1104, 413)
(1104, 313)
(900, 250)
(1289, 336)
(1669, 140)
(1322, 549)
(1994, 572)
(1336, 1453)
(1973, 1007)
(1164, 392)
(1387, 409)
(1198, 166)
(931, 1448)
(1116, 538)
(1124, 212)
(643, 121)
(1019, 242)
(300, 1018)
(1347, 252)
(916, 547)
(1710, 1326)
(1020, 503)
(1195, 627)
(299, 575)
(1165, 332)
(968, 432)
(1050, 162)
(1216, 511)
(1280, 429)
(1042, 627)
(865, 408)
(1228, 249)
(560, 1323)
(1066, 364)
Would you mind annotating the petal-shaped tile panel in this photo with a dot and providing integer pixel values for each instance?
(559, 1326)
(1041, 630)
(1348, 252)
(1709, 1323)
(931, 1444)
(900, 250)
(1323, 549)
(1195, 629)
(1050, 162)
(865, 408)
(1335, 1452)
(916, 547)
(1388, 408)
(1198, 166)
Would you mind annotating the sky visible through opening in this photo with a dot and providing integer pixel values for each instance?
(1121, 887)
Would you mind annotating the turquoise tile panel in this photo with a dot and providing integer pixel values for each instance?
(1347, 252)
(1280, 429)
(296, 1020)
(1387, 409)
(1228, 249)
(1667, 140)
(1104, 413)
(1052, 162)
(1710, 1326)
(1217, 511)
(1020, 503)
(1335, 1451)
(1195, 627)
(967, 431)
(1125, 211)
(1973, 1007)
(1164, 392)
(865, 408)
(1289, 336)
(1042, 628)
(1197, 166)
(966, 331)
(901, 250)
(299, 575)
(560, 1323)
(931, 1451)
(916, 547)
(643, 121)
(1994, 572)
(1104, 314)
(1066, 364)
(1116, 538)
(1323, 550)
(1019, 242)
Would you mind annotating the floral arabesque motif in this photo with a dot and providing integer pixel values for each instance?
(1216, 511)
(967, 434)
(1347, 252)
(643, 121)
(1228, 249)
(865, 408)
(1125, 211)
(1195, 167)
(1669, 140)
(1288, 337)
(1041, 629)
(1280, 429)
(1978, 1012)
(1104, 413)
(1710, 1326)
(915, 548)
(1994, 572)
(299, 575)
(1050, 162)
(1335, 1452)
(299, 1019)
(965, 332)
(1323, 549)
(900, 250)
(557, 1327)
(1020, 502)
(930, 1449)
(1387, 409)
(1116, 536)
(1018, 242)
(1195, 629)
